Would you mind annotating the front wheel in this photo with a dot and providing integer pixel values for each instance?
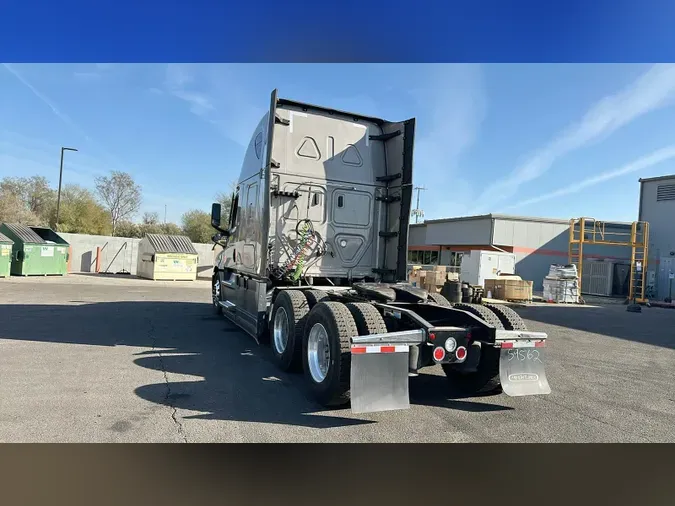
(288, 323)
(215, 294)
(326, 352)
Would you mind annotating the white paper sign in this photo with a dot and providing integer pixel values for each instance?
(46, 251)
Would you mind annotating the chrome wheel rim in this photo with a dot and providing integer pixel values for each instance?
(216, 291)
(318, 352)
(280, 330)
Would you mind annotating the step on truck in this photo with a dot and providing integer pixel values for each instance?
(314, 264)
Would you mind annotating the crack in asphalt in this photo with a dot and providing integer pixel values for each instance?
(167, 397)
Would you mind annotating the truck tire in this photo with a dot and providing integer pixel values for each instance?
(509, 318)
(287, 326)
(439, 299)
(368, 319)
(329, 327)
(481, 312)
(485, 379)
(315, 296)
(215, 294)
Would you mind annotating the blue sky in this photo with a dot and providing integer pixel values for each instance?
(533, 139)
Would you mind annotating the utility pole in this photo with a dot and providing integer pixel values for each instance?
(417, 212)
(58, 198)
(165, 214)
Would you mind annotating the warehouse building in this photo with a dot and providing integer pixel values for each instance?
(536, 242)
(657, 207)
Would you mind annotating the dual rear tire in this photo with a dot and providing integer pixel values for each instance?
(308, 331)
(483, 377)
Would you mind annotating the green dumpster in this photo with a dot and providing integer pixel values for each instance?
(37, 251)
(5, 255)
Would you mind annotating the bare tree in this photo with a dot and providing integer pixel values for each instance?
(150, 218)
(120, 194)
(225, 200)
(34, 195)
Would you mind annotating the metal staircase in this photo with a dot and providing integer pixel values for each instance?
(585, 231)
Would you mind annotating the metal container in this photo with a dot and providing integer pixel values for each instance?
(5, 255)
(597, 278)
(167, 257)
(479, 265)
(36, 251)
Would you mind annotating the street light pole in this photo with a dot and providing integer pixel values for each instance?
(58, 198)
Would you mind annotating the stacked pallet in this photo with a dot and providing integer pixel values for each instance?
(562, 284)
(510, 288)
(432, 280)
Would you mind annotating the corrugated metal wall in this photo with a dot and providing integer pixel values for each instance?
(659, 213)
(417, 235)
(464, 232)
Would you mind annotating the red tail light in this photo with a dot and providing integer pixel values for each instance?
(461, 353)
(439, 353)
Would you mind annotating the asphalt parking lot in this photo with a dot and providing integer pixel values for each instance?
(95, 359)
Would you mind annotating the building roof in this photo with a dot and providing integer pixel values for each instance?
(171, 243)
(498, 217)
(4, 238)
(24, 233)
(658, 178)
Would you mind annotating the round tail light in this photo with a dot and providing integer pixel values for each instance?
(461, 353)
(450, 344)
(439, 354)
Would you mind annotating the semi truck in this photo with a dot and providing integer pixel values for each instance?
(313, 264)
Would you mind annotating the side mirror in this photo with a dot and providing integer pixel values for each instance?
(215, 215)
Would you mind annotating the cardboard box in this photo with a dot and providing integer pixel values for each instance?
(416, 277)
(434, 278)
(509, 289)
(452, 276)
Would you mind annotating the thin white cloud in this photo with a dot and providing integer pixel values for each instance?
(214, 94)
(61, 115)
(178, 76)
(453, 101)
(651, 91)
(64, 117)
(200, 104)
(659, 156)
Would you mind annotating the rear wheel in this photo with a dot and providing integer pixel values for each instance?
(368, 319)
(315, 296)
(509, 318)
(326, 352)
(288, 324)
(439, 299)
(485, 377)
